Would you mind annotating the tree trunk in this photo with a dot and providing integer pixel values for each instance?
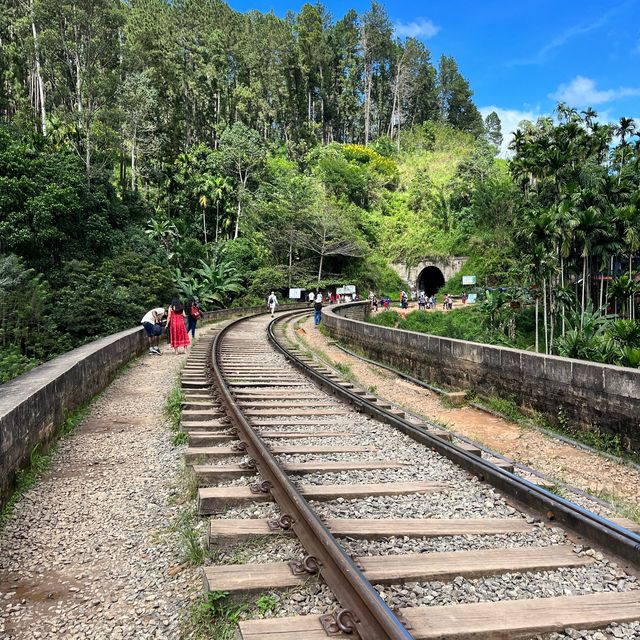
(584, 289)
(243, 180)
(551, 321)
(367, 102)
(324, 129)
(133, 162)
(631, 282)
(217, 217)
(204, 229)
(544, 300)
(235, 234)
(39, 82)
(601, 290)
(562, 285)
(322, 248)
(537, 324)
(320, 271)
(290, 257)
(87, 151)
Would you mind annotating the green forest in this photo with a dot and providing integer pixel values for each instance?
(151, 148)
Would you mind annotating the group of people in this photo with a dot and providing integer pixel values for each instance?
(447, 303)
(314, 298)
(424, 302)
(177, 322)
(384, 302)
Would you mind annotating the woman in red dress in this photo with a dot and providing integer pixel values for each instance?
(177, 328)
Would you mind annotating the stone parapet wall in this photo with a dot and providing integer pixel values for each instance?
(34, 405)
(584, 395)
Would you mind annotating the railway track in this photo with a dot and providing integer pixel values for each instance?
(377, 532)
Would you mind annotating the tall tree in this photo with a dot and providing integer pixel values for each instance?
(376, 31)
(242, 152)
(456, 106)
(83, 43)
(493, 129)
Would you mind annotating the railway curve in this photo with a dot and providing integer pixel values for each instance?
(376, 501)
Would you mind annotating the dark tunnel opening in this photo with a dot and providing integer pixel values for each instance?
(431, 280)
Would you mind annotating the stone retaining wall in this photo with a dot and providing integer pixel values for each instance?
(586, 395)
(35, 404)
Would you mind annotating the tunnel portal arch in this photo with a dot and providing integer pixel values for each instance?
(430, 280)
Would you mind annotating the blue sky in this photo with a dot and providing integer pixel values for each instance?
(522, 56)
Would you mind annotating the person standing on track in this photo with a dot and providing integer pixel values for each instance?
(177, 329)
(272, 303)
(193, 315)
(152, 323)
(317, 310)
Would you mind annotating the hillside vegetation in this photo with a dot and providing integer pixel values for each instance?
(153, 149)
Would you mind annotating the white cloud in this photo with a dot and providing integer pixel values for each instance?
(418, 28)
(583, 92)
(509, 119)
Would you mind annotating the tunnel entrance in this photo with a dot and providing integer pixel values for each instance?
(430, 280)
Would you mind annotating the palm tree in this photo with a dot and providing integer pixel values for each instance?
(589, 227)
(589, 116)
(622, 290)
(203, 201)
(627, 127)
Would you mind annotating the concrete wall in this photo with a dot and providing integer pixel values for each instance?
(35, 404)
(588, 394)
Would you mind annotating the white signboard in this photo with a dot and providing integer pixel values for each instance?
(468, 280)
(350, 288)
(295, 294)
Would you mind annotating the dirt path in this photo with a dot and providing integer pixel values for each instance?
(587, 471)
(86, 553)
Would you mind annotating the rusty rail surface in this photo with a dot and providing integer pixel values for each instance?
(607, 534)
(363, 613)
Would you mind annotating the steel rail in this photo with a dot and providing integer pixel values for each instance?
(363, 613)
(609, 535)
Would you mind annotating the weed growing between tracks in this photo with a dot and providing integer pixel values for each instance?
(173, 413)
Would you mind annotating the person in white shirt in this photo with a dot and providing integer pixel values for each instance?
(152, 323)
(272, 303)
(317, 309)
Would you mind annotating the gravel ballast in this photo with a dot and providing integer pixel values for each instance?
(87, 552)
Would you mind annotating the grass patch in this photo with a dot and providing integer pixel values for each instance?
(508, 408)
(213, 616)
(596, 439)
(346, 371)
(173, 413)
(623, 506)
(40, 460)
(465, 323)
(194, 553)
